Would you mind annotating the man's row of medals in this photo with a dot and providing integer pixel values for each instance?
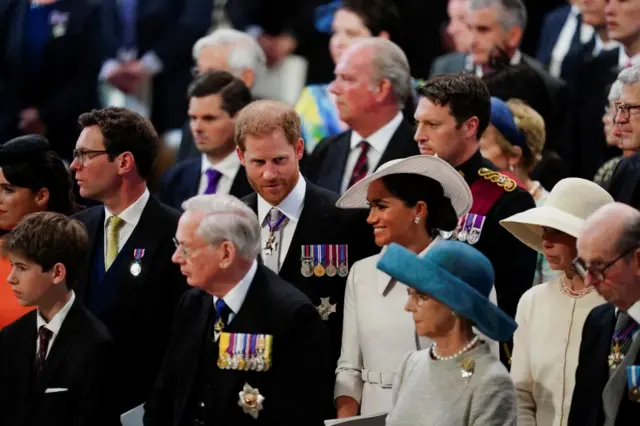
(325, 259)
(245, 351)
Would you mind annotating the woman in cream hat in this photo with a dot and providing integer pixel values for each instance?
(410, 201)
(458, 381)
(550, 316)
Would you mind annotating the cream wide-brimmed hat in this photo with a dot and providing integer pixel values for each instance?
(566, 208)
(453, 184)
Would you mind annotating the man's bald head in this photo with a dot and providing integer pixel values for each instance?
(614, 223)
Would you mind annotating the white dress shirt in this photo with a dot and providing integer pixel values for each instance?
(235, 297)
(130, 216)
(55, 324)
(563, 44)
(602, 46)
(378, 143)
(623, 58)
(515, 60)
(291, 207)
(228, 166)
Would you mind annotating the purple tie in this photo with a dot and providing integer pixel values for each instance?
(213, 177)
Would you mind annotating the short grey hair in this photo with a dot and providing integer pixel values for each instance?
(512, 13)
(227, 219)
(246, 53)
(615, 92)
(389, 63)
(630, 76)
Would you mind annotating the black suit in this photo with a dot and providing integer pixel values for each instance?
(182, 181)
(137, 310)
(293, 386)
(326, 165)
(63, 83)
(592, 374)
(80, 360)
(587, 147)
(169, 28)
(625, 182)
(321, 222)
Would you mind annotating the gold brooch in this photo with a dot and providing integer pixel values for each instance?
(250, 400)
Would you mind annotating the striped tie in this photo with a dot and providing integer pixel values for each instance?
(362, 165)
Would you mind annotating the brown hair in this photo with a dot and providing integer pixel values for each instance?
(264, 117)
(47, 238)
(532, 125)
(233, 92)
(124, 130)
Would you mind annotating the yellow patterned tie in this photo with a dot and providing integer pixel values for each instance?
(112, 241)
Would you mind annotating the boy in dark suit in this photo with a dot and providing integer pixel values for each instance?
(56, 363)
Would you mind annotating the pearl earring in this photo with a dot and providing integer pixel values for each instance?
(453, 314)
(416, 220)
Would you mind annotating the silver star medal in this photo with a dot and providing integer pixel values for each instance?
(325, 308)
(250, 400)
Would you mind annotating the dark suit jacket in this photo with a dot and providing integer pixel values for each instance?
(292, 388)
(625, 182)
(586, 149)
(592, 374)
(81, 359)
(325, 167)
(65, 84)
(140, 312)
(182, 181)
(321, 222)
(169, 28)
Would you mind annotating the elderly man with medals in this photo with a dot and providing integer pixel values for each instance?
(242, 335)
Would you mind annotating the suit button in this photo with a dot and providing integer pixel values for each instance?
(201, 404)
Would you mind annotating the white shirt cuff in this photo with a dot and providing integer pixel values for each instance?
(107, 67)
(254, 31)
(152, 63)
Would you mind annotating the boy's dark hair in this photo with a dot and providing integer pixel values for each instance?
(125, 131)
(377, 15)
(233, 92)
(465, 94)
(47, 238)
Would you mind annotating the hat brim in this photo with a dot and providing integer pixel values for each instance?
(453, 184)
(527, 226)
(429, 278)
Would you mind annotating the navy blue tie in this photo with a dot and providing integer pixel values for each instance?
(222, 316)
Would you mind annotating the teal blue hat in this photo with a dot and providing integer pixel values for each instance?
(457, 275)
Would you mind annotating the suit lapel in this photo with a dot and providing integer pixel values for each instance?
(332, 173)
(240, 186)
(93, 224)
(25, 355)
(401, 145)
(614, 390)
(192, 179)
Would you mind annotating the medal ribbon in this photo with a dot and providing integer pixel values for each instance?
(467, 225)
(232, 345)
(342, 254)
(626, 332)
(252, 350)
(330, 254)
(277, 225)
(138, 254)
(633, 376)
(319, 254)
(479, 223)
(239, 342)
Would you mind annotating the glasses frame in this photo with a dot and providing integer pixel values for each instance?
(624, 110)
(81, 156)
(599, 274)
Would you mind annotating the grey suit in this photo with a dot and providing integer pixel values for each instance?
(617, 385)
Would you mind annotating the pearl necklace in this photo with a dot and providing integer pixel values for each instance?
(567, 290)
(457, 354)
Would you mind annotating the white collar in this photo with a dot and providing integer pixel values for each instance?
(130, 215)
(56, 322)
(379, 140)
(291, 206)
(634, 311)
(623, 58)
(601, 46)
(228, 166)
(470, 66)
(235, 297)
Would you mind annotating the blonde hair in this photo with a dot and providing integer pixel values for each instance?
(261, 118)
(532, 125)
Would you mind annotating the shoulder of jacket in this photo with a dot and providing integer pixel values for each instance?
(499, 179)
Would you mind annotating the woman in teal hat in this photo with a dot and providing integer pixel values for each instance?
(457, 381)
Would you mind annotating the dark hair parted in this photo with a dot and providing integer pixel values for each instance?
(47, 238)
(465, 94)
(124, 130)
(377, 15)
(411, 188)
(45, 170)
(233, 92)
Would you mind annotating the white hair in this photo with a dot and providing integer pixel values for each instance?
(512, 13)
(245, 53)
(630, 76)
(227, 219)
(615, 92)
(389, 63)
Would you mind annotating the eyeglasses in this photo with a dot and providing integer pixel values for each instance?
(81, 156)
(624, 110)
(597, 274)
(187, 253)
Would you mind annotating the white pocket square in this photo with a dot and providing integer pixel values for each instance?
(55, 390)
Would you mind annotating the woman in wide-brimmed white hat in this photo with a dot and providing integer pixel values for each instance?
(409, 201)
(550, 316)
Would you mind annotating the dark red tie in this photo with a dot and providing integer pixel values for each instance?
(362, 165)
(44, 336)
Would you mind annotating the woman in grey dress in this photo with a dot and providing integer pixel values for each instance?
(457, 381)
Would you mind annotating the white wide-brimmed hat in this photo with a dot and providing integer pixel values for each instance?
(566, 208)
(454, 186)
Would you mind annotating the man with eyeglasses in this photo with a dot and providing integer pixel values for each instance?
(607, 390)
(625, 182)
(129, 282)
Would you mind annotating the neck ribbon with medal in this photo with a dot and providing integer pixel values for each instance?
(136, 265)
(271, 244)
(616, 356)
(633, 379)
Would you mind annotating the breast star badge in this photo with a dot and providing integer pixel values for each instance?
(325, 308)
(250, 400)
